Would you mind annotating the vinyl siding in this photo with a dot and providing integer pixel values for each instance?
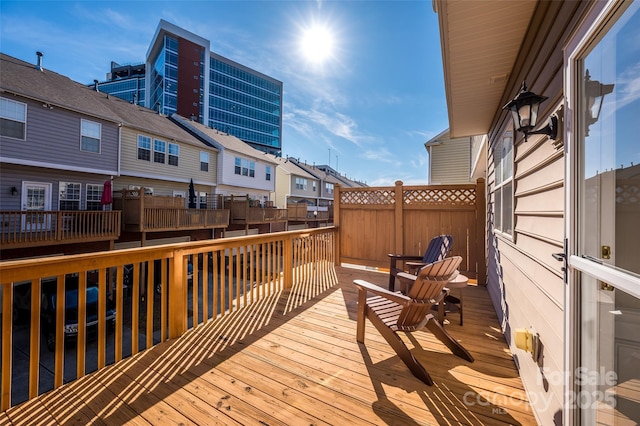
(188, 161)
(14, 175)
(258, 183)
(160, 186)
(53, 141)
(450, 162)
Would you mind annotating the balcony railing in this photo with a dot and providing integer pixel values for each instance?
(244, 212)
(20, 229)
(158, 293)
(153, 213)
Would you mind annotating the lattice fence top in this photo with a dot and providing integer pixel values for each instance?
(628, 194)
(448, 196)
(368, 196)
(464, 196)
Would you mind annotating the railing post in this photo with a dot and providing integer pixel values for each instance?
(178, 301)
(398, 225)
(59, 229)
(287, 273)
(481, 220)
(336, 223)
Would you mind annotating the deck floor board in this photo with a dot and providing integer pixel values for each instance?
(292, 358)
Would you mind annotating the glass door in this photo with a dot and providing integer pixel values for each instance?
(605, 258)
(36, 202)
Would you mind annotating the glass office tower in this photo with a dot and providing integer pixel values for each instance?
(181, 75)
(185, 77)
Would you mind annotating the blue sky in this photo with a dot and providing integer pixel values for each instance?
(366, 109)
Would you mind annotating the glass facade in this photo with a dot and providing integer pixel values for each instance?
(245, 105)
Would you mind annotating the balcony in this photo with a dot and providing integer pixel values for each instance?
(152, 213)
(300, 213)
(257, 329)
(277, 354)
(24, 229)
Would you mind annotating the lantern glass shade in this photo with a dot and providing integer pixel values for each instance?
(524, 109)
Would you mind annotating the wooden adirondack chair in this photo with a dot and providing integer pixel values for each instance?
(438, 248)
(392, 312)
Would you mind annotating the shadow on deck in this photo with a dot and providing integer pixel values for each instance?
(293, 359)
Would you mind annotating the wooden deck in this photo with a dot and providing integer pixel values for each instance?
(293, 360)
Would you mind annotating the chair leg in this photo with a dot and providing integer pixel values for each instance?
(400, 348)
(434, 326)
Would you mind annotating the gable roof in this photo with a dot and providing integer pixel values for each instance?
(220, 140)
(42, 85)
(27, 80)
(290, 168)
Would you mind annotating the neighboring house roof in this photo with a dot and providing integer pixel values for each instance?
(480, 42)
(27, 80)
(221, 140)
(290, 168)
(436, 140)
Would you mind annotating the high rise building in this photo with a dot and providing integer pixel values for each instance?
(183, 76)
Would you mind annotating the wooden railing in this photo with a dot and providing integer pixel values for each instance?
(299, 212)
(154, 213)
(376, 221)
(157, 292)
(29, 228)
(173, 219)
(241, 212)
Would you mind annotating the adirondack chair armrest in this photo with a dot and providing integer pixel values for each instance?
(379, 291)
(403, 257)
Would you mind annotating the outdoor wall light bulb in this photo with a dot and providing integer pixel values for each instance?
(524, 110)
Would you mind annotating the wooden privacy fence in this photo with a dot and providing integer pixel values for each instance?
(376, 221)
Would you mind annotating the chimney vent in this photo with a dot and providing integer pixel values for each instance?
(39, 64)
(95, 85)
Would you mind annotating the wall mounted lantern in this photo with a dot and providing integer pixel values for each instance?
(14, 190)
(594, 96)
(524, 109)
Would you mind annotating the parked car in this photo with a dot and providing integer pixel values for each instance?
(48, 304)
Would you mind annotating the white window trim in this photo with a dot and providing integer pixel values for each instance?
(26, 110)
(82, 134)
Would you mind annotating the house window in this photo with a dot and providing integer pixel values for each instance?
(69, 196)
(503, 165)
(13, 119)
(204, 161)
(159, 151)
(202, 199)
(329, 188)
(268, 176)
(91, 132)
(144, 148)
(301, 183)
(180, 194)
(94, 194)
(313, 186)
(174, 153)
(245, 167)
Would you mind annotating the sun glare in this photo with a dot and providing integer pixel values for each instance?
(317, 44)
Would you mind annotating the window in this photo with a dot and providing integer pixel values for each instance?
(144, 148)
(69, 196)
(503, 165)
(245, 167)
(329, 188)
(180, 194)
(94, 194)
(91, 132)
(301, 183)
(202, 199)
(174, 153)
(268, 176)
(313, 185)
(13, 119)
(159, 151)
(204, 161)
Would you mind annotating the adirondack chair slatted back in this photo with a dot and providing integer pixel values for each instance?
(427, 290)
(438, 248)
